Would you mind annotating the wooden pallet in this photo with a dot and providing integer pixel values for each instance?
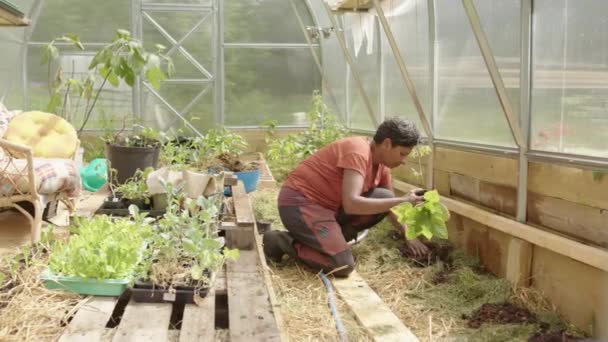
(242, 304)
(238, 304)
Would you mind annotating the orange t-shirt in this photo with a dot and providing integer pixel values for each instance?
(319, 177)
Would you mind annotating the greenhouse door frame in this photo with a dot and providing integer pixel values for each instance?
(140, 13)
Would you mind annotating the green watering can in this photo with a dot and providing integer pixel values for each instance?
(94, 175)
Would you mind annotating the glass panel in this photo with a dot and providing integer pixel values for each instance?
(265, 84)
(193, 101)
(368, 69)
(268, 21)
(409, 25)
(93, 21)
(468, 108)
(198, 47)
(570, 78)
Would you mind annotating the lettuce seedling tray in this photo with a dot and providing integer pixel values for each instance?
(85, 286)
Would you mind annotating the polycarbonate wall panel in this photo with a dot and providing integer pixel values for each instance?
(93, 21)
(195, 31)
(11, 80)
(268, 21)
(12, 61)
(194, 102)
(366, 64)
(468, 108)
(410, 26)
(269, 84)
(189, 2)
(113, 102)
(334, 69)
(570, 77)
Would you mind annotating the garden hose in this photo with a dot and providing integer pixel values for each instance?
(332, 306)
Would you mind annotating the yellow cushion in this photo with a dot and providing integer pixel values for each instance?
(49, 135)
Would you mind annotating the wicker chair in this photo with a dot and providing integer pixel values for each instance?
(26, 178)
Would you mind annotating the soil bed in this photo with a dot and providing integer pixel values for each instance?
(500, 313)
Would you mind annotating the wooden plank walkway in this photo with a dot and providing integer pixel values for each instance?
(371, 312)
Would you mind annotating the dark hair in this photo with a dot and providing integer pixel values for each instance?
(401, 132)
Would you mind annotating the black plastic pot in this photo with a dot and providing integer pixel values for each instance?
(147, 293)
(120, 207)
(126, 160)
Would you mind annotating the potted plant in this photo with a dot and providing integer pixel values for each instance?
(222, 150)
(133, 192)
(127, 153)
(185, 253)
(101, 256)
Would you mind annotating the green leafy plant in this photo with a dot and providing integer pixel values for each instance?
(135, 188)
(62, 89)
(220, 147)
(218, 141)
(102, 247)
(284, 154)
(123, 59)
(427, 219)
(185, 248)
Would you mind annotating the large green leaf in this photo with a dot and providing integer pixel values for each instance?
(426, 219)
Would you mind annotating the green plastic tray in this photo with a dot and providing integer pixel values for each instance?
(86, 286)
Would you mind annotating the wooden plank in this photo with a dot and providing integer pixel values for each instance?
(492, 169)
(144, 322)
(577, 290)
(464, 187)
(570, 184)
(501, 198)
(475, 238)
(574, 219)
(243, 237)
(589, 255)
(276, 307)
(198, 323)
(220, 282)
(90, 320)
(379, 321)
(405, 173)
(442, 182)
(250, 312)
(230, 179)
(456, 230)
(519, 262)
(248, 263)
(242, 206)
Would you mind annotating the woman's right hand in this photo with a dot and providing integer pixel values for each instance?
(413, 198)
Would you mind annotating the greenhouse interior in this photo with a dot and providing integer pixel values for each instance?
(304, 170)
